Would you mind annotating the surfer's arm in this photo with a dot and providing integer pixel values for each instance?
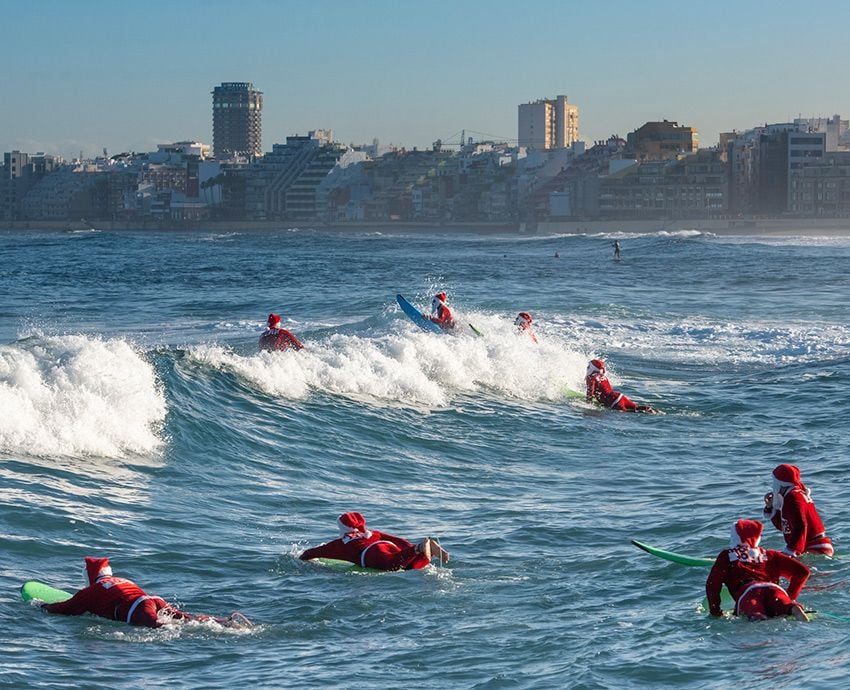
(293, 341)
(713, 585)
(333, 549)
(797, 573)
(75, 606)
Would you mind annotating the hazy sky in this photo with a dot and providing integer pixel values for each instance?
(88, 74)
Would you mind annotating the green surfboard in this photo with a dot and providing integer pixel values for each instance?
(675, 557)
(38, 590)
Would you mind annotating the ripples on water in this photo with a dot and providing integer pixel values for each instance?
(137, 421)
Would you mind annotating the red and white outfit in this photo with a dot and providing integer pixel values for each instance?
(114, 598)
(793, 512)
(523, 322)
(751, 574)
(440, 312)
(277, 338)
(599, 390)
(370, 549)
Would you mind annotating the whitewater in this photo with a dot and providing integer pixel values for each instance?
(139, 422)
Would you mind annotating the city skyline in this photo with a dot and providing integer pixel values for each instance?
(93, 75)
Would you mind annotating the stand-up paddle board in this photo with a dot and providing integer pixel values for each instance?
(38, 590)
(675, 557)
(416, 316)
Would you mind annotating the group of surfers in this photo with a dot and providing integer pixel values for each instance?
(750, 572)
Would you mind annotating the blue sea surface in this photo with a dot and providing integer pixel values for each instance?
(139, 422)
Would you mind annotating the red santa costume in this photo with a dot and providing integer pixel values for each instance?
(277, 338)
(792, 511)
(751, 574)
(599, 390)
(114, 598)
(523, 322)
(370, 549)
(440, 312)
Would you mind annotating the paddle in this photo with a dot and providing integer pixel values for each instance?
(476, 331)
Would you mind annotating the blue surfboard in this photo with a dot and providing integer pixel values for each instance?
(416, 316)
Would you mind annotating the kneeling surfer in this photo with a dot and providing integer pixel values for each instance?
(751, 574)
(373, 549)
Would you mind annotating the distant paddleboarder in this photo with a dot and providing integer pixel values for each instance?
(600, 391)
(122, 600)
(373, 549)
(792, 511)
(616, 250)
(276, 337)
(751, 574)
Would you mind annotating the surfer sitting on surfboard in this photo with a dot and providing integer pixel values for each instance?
(440, 312)
(123, 600)
(373, 549)
(599, 390)
(523, 323)
(751, 574)
(792, 511)
(277, 338)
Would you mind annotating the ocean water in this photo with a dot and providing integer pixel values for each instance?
(137, 421)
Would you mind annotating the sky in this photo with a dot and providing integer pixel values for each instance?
(85, 75)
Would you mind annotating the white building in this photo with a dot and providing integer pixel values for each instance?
(837, 130)
(547, 124)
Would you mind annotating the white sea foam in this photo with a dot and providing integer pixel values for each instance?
(412, 367)
(76, 395)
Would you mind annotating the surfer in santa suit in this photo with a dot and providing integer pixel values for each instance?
(440, 312)
(751, 574)
(523, 323)
(792, 511)
(123, 600)
(599, 390)
(277, 338)
(373, 549)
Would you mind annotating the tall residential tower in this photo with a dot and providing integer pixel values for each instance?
(548, 124)
(237, 120)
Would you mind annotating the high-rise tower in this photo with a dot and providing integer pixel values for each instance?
(548, 124)
(237, 120)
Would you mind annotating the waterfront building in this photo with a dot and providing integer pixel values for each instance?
(284, 182)
(661, 140)
(547, 124)
(237, 120)
(21, 171)
(837, 131)
(822, 188)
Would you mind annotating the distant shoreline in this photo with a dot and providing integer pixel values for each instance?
(829, 227)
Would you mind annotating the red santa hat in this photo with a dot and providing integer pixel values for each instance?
(351, 522)
(523, 318)
(274, 321)
(787, 474)
(97, 568)
(746, 533)
(441, 297)
(595, 366)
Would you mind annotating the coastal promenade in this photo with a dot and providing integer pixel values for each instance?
(759, 226)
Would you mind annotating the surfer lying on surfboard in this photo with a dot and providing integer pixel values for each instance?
(373, 549)
(599, 391)
(123, 600)
(751, 574)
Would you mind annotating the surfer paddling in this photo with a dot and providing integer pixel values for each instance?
(599, 391)
(277, 338)
(792, 511)
(751, 574)
(373, 549)
(440, 312)
(122, 600)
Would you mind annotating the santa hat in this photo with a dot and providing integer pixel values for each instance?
(97, 568)
(351, 522)
(595, 366)
(746, 533)
(523, 318)
(440, 297)
(787, 474)
(274, 321)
